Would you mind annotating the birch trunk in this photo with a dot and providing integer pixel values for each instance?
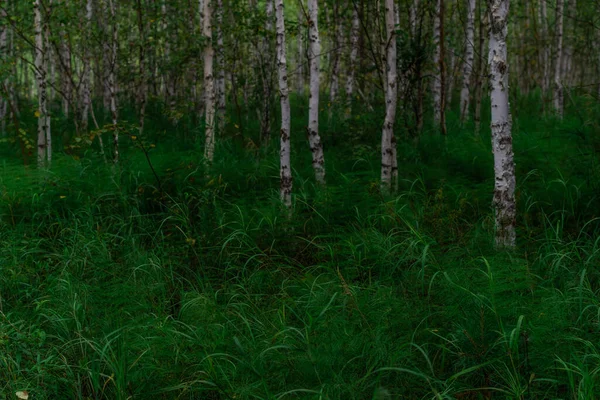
(481, 66)
(285, 167)
(469, 58)
(267, 81)
(112, 82)
(5, 57)
(41, 80)
(300, 73)
(335, 68)
(558, 98)
(221, 101)
(567, 59)
(65, 56)
(85, 79)
(142, 92)
(387, 134)
(436, 88)
(350, 80)
(545, 53)
(316, 147)
(209, 84)
(504, 168)
(414, 12)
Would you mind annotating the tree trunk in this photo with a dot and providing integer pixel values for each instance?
(267, 81)
(221, 100)
(504, 168)
(558, 97)
(316, 147)
(285, 167)
(41, 79)
(300, 73)
(209, 84)
(142, 92)
(545, 52)
(469, 58)
(481, 66)
(112, 81)
(354, 37)
(335, 67)
(387, 152)
(85, 79)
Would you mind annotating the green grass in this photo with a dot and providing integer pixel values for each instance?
(111, 288)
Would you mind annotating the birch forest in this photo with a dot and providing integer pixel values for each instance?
(285, 199)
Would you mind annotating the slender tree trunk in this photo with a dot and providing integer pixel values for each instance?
(209, 84)
(266, 67)
(142, 92)
(481, 66)
(316, 147)
(469, 58)
(354, 37)
(387, 134)
(5, 57)
(112, 80)
(545, 53)
(85, 79)
(437, 62)
(414, 12)
(335, 67)
(220, 88)
(558, 97)
(443, 72)
(40, 74)
(285, 167)
(67, 74)
(504, 168)
(567, 58)
(301, 71)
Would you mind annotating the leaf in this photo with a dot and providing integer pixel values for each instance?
(37, 113)
(24, 394)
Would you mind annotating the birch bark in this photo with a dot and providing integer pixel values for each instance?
(285, 167)
(558, 98)
(220, 88)
(316, 147)
(468, 63)
(504, 168)
(387, 133)
(350, 80)
(209, 84)
(41, 80)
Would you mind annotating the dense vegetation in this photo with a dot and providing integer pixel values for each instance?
(159, 279)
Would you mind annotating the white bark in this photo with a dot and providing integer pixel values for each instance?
(4, 55)
(142, 90)
(335, 68)
(558, 97)
(504, 168)
(436, 88)
(209, 84)
(567, 59)
(221, 102)
(41, 80)
(300, 71)
(354, 37)
(316, 147)
(65, 56)
(545, 52)
(267, 80)
(85, 79)
(112, 81)
(387, 134)
(285, 167)
(469, 58)
(414, 12)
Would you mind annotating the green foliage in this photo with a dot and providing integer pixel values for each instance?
(159, 279)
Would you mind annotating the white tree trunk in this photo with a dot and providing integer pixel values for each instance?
(5, 57)
(142, 90)
(387, 134)
(567, 59)
(65, 61)
(209, 84)
(414, 12)
(335, 68)
(436, 88)
(465, 93)
(85, 79)
(266, 66)
(545, 52)
(112, 81)
(558, 98)
(300, 70)
(221, 101)
(41, 79)
(316, 147)
(504, 167)
(350, 80)
(285, 167)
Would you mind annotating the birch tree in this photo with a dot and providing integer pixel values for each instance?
(350, 79)
(387, 134)
(545, 52)
(86, 94)
(112, 83)
(44, 142)
(316, 147)
(501, 124)
(285, 167)
(468, 63)
(220, 88)
(436, 88)
(300, 70)
(558, 97)
(209, 84)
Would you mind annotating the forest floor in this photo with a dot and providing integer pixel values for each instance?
(128, 283)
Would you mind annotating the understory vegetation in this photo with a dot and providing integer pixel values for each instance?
(159, 279)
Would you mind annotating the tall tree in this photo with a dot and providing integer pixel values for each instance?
(354, 37)
(44, 143)
(209, 84)
(387, 134)
(220, 88)
(468, 63)
(501, 125)
(285, 166)
(316, 147)
(558, 97)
